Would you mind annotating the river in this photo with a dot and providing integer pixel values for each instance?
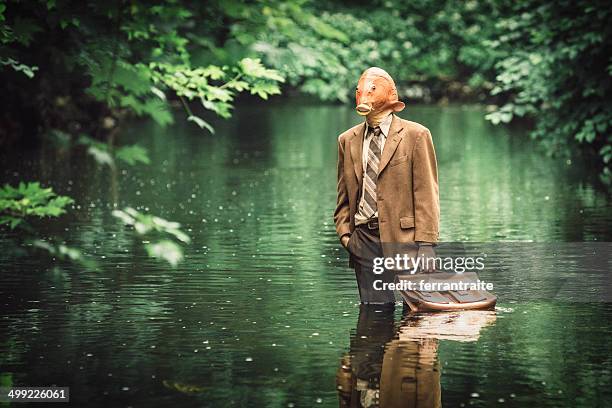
(264, 310)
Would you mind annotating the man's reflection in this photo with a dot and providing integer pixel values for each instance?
(393, 365)
(359, 373)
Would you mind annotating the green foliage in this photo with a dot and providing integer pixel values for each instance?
(17, 66)
(29, 200)
(317, 63)
(430, 43)
(101, 156)
(209, 85)
(59, 250)
(130, 57)
(540, 60)
(201, 123)
(99, 151)
(146, 224)
(59, 138)
(133, 154)
(166, 250)
(63, 252)
(104, 155)
(556, 69)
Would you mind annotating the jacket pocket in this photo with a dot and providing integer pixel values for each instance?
(406, 222)
(350, 241)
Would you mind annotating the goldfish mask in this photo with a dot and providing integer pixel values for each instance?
(376, 95)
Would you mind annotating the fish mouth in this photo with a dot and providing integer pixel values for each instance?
(363, 109)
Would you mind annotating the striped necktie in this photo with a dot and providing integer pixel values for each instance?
(371, 174)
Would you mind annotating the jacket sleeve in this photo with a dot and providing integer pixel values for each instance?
(342, 217)
(425, 189)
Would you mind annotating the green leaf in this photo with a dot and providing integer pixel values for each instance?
(159, 93)
(145, 224)
(134, 79)
(201, 123)
(14, 222)
(29, 200)
(166, 250)
(254, 68)
(17, 66)
(133, 154)
(214, 72)
(263, 89)
(63, 252)
(159, 111)
(124, 217)
(101, 156)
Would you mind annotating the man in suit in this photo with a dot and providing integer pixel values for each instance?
(387, 201)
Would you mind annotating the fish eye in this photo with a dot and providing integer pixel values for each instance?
(373, 87)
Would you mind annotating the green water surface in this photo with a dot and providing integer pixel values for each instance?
(264, 309)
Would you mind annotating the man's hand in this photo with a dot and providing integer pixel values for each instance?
(427, 255)
(345, 240)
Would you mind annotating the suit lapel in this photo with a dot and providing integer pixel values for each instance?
(393, 140)
(356, 151)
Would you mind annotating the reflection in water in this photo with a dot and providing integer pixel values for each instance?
(390, 366)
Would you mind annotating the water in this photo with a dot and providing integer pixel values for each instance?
(264, 310)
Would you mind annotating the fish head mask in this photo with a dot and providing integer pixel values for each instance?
(376, 95)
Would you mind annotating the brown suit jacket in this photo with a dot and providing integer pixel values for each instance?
(407, 187)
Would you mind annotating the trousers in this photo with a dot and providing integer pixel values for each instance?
(364, 246)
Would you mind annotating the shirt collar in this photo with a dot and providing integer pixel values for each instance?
(384, 126)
